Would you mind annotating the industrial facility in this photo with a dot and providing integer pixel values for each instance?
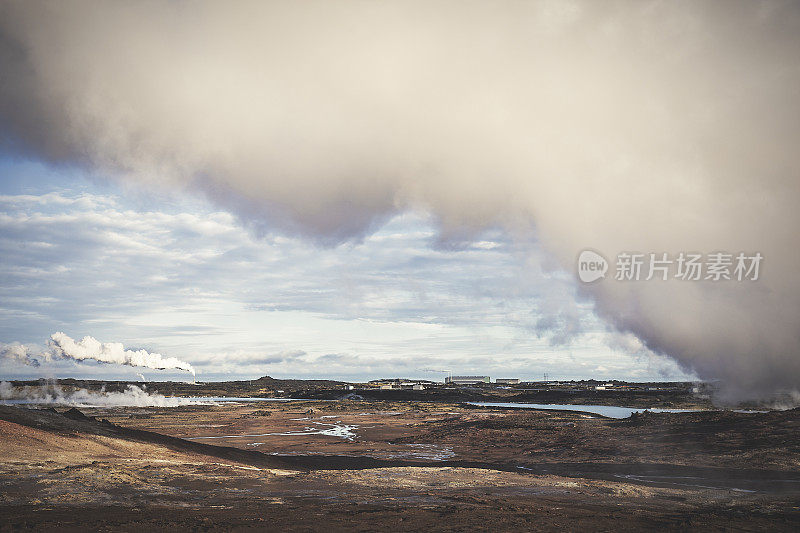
(467, 380)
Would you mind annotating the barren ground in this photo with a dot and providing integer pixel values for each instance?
(392, 465)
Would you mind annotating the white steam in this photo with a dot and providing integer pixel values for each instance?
(112, 352)
(19, 353)
(61, 346)
(52, 394)
(622, 126)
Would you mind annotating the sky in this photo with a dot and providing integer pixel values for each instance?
(358, 189)
(172, 274)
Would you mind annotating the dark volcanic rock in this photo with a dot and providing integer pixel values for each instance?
(74, 414)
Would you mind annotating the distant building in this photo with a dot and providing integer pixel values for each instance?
(507, 381)
(467, 380)
(401, 383)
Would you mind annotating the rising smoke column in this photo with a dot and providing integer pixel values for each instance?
(65, 347)
(620, 126)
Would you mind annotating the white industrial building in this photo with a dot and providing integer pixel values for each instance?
(467, 380)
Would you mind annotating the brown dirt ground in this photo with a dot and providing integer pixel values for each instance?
(82, 475)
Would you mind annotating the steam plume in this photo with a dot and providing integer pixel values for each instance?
(18, 353)
(620, 126)
(112, 352)
(61, 346)
(52, 394)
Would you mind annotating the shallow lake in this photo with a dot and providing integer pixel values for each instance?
(609, 411)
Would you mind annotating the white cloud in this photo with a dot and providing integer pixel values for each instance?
(198, 286)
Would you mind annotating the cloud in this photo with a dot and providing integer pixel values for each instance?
(103, 267)
(244, 358)
(651, 126)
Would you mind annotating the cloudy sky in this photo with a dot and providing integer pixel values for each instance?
(174, 275)
(358, 189)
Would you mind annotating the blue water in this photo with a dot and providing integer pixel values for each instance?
(609, 411)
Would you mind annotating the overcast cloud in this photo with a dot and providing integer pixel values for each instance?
(541, 128)
(191, 282)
